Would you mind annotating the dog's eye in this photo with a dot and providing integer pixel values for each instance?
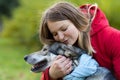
(44, 49)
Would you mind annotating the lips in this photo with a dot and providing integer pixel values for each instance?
(37, 67)
(65, 42)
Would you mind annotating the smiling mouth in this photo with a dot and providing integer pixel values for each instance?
(38, 66)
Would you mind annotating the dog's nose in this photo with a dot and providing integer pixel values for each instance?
(25, 58)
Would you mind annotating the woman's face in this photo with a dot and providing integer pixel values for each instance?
(63, 31)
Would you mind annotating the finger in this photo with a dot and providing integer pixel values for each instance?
(58, 57)
(62, 59)
(68, 70)
(66, 61)
(68, 65)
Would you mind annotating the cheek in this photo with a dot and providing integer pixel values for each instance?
(73, 32)
(55, 38)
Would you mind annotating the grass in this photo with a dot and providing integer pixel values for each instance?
(12, 64)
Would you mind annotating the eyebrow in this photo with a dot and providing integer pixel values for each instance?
(62, 26)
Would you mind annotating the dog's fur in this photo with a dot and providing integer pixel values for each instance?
(42, 59)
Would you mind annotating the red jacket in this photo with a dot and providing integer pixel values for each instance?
(106, 42)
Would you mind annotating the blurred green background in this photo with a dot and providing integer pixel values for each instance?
(19, 32)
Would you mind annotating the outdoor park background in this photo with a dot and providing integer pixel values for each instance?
(19, 34)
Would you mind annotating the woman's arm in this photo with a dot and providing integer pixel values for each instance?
(114, 50)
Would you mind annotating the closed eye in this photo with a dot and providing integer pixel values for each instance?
(64, 28)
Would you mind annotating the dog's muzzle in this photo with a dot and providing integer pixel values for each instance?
(37, 66)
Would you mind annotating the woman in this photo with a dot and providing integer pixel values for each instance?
(86, 27)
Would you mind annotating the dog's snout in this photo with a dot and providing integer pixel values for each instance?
(25, 58)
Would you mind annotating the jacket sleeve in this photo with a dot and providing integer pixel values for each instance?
(45, 75)
(112, 45)
(115, 49)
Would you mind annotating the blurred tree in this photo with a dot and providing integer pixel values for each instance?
(6, 8)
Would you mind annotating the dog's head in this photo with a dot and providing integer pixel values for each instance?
(42, 59)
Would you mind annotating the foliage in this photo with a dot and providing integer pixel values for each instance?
(24, 24)
(7, 6)
(26, 20)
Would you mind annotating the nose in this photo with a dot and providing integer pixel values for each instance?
(25, 58)
(60, 36)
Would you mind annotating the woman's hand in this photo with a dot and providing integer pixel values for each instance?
(60, 67)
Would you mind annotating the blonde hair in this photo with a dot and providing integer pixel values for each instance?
(66, 11)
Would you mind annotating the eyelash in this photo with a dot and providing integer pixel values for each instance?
(64, 29)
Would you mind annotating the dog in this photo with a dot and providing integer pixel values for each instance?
(42, 59)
